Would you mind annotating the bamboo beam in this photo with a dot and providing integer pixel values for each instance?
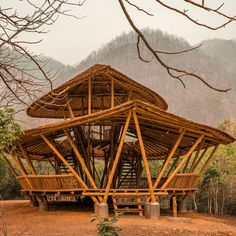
(208, 160)
(197, 155)
(173, 165)
(89, 96)
(193, 168)
(130, 95)
(183, 161)
(112, 93)
(70, 110)
(186, 163)
(81, 160)
(53, 148)
(27, 158)
(88, 148)
(169, 158)
(117, 157)
(77, 132)
(19, 166)
(145, 161)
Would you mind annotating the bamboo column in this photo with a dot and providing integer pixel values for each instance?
(81, 160)
(112, 93)
(77, 133)
(27, 158)
(169, 158)
(117, 157)
(193, 167)
(130, 95)
(145, 161)
(197, 154)
(173, 165)
(53, 148)
(186, 163)
(19, 166)
(71, 114)
(89, 96)
(174, 206)
(208, 160)
(183, 161)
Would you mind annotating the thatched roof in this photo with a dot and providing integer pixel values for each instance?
(75, 92)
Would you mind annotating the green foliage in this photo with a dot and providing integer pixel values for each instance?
(217, 188)
(9, 130)
(9, 133)
(106, 227)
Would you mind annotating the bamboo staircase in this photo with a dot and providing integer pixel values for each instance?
(128, 178)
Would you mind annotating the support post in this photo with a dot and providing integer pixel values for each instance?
(43, 204)
(53, 148)
(169, 158)
(20, 167)
(27, 158)
(183, 161)
(117, 158)
(89, 96)
(186, 163)
(112, 93)
(81, 160)
(193, 168)
(71, 114)
(174, 206)
(208, 160)
(130, 95)
(145, 161)
(197, 154)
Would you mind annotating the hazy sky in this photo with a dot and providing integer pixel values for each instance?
(71, 40)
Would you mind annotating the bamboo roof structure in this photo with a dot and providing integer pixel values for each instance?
(74, 91)
(109, 117)
(158, 127)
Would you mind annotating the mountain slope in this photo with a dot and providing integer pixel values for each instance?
(215, 61)
(196, 102)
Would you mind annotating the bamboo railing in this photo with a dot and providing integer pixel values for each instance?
(48, 183)
(183, 181)
(57, 183)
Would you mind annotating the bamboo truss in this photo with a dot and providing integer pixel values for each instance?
(103, 151)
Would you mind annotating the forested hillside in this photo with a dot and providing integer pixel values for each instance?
(215, 61)
(196, 102)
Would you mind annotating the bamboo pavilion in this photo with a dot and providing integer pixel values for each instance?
(111, 129)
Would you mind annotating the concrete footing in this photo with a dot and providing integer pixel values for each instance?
(152, 210)
(43, 206)
(34, 202)
(181, 206)
(101, 210)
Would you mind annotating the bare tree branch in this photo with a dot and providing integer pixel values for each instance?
(138, 8)
(174, 72)
(17, 64)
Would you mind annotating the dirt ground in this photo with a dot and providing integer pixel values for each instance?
(23, 219)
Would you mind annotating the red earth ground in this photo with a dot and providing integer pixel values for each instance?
(23, 219)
